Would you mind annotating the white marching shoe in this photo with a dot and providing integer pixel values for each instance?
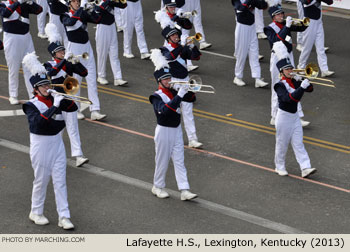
(80, 160)
(187, 195)
(160, 193)
(145, 56)
(38, 219)
(129, 55)
(191, 68)
(308, 171)
(13, 100)
(272, 121)
(326, 49)
(327, 73)
(304, 123)
(262, 35)
(96, 115)
(239, 82)
(42, 35)
(261, 57)
(281, 172)
(80, 115)
(204, 45)
(195, 144)
(119, 29)
(102, 81)
(65, 223)
(259, 83)
(120, 82)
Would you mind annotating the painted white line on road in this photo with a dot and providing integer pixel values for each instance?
(218, 54)
(16, 112)
(147, 186)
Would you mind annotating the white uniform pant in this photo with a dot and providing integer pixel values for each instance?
(187, 115)
(41, 18)
(133, 18)
(118, 16)
(314, 34)
(78, 49)
(169, 144)
(191, 5)
(246, 43)
(48, 157)
(55, 19)
(259, 20)
(301, 16)
(107, 43)
(275, 79)
(16, 46)
(72, 127)
(289, 130)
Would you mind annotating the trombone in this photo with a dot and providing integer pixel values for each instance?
(198, 36)
(75, 58)
(311, 71)
(305, 21)
(71, 87)
(195, 85)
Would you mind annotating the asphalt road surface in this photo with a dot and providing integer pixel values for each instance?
(233, 173)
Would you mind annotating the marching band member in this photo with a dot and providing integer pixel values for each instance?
(56, 8)
(280, 30)
(133, 18)
(41, 18)
(195, 5)
(246, 41)
(171, 15)
(47, 152)
(259, 23)
(17, 41)
(288, 127)
(57, 70)
(177, 55)
(107, 43)
(75, 23)
(168, 134)
(314, 35)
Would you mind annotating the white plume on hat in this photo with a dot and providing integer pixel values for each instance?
(164, 20)
(280, 50)
(158, 59)
(274, 2)
(53, 33)
(31, 62)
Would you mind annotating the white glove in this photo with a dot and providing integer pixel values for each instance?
(182, 91)
(297, 77)
(289, 21)
(83, 3)
(57, 99)
(305, 84)
(179, 12)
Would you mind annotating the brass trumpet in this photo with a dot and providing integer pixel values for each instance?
(75, 58)
(311, 71)
(198, 36)
(305, 21)
(195, 85)
(71, 87)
